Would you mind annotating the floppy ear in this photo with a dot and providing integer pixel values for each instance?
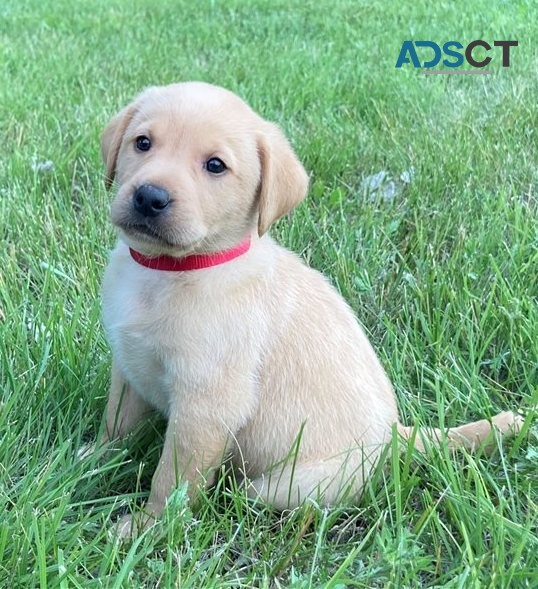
(284, 181)
(111, 141)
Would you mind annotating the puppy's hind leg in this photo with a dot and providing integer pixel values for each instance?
(326, 482)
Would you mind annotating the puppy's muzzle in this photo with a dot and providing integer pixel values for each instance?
(150, 200)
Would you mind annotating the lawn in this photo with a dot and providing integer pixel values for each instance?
(423, 212)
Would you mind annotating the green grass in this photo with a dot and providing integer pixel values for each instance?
(443, 277)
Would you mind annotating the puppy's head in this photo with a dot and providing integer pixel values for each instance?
(197, 170)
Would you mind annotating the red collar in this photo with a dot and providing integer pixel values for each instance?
(192, 262)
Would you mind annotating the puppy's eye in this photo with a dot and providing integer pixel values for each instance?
(215, 166)
(143, 143)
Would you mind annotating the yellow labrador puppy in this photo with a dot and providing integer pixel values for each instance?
(247, 351)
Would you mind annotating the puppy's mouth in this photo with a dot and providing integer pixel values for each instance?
(149, 238)
(146, 232)
(156, 235)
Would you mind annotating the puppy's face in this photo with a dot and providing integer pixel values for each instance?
(197, 170)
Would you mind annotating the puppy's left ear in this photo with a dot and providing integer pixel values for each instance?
(111, 141)
(284, 181)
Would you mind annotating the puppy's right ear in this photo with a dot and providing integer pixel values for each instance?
(111, 141)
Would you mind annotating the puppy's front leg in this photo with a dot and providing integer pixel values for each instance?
(125, 409)
(199, 431)
(192, 452)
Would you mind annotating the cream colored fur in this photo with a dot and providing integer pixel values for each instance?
(251, 358)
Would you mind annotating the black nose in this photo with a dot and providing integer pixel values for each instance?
(150, 200)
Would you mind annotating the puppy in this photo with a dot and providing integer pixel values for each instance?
(249, 353)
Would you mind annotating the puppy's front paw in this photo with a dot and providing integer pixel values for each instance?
(102, 447)
(129, 526)
(86, 451)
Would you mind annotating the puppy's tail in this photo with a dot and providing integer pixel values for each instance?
(471, 436)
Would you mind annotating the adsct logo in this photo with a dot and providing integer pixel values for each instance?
(412, 51)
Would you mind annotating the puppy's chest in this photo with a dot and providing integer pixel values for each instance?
(159, 337)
